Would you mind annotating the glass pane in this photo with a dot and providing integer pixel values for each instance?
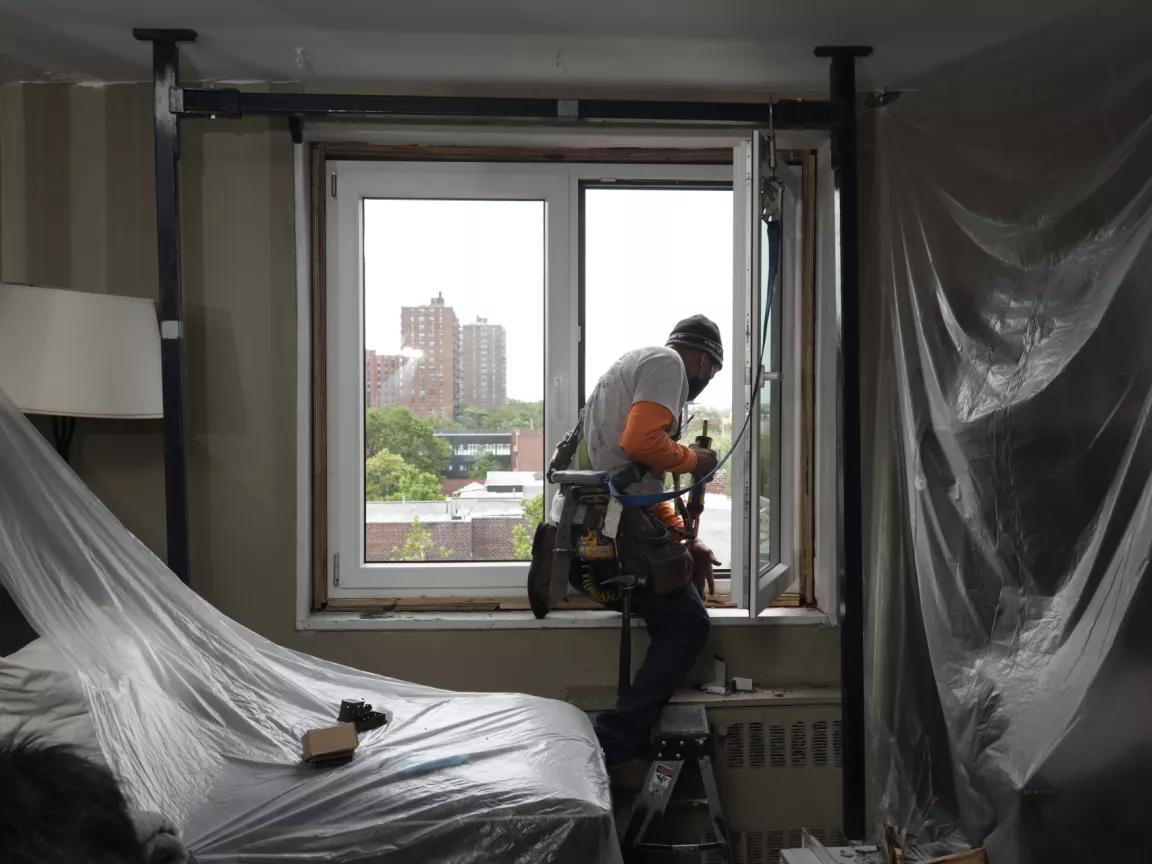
(769, 444)
(453, 379)
(652, 257)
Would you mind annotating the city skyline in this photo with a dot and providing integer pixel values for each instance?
(487, 259)
(652, 256)
(442, 366)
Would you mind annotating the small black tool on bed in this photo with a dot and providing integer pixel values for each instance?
(360, 712)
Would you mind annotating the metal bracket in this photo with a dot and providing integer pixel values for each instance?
(161, 34)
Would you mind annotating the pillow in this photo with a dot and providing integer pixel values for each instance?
(41, 696)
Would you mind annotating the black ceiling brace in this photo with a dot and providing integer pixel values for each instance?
(223, 102)
(172, 103)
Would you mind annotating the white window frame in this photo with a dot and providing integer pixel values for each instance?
(356, 181)
(560, 398)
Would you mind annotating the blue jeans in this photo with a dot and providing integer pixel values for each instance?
(678, 627)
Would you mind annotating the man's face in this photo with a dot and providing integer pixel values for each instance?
(701, 369)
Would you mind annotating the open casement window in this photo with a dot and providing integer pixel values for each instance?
(778, 271)
(462, 309)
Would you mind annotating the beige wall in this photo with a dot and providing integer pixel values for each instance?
(76, 209)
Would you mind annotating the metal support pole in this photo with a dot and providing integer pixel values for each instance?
(165, 77)
(844, 156)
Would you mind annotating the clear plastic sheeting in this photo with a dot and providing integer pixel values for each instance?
(1010, 449)
(202, 718)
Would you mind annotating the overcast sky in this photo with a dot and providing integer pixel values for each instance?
(653, 256)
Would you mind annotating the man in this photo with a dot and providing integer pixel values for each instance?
(630, 426)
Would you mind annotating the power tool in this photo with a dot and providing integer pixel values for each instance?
(696, 497)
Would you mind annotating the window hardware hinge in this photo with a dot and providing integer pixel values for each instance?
(333, 184)
(336, 569)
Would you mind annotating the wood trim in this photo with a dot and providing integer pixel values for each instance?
(806, 512)
(319, 384)
(370, 605)
(787, 601)
(440, 153)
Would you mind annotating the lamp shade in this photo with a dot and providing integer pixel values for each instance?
(75, 354)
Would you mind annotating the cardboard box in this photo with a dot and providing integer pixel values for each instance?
(331, 744)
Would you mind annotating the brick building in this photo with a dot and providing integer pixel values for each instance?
(485, 538)
(384, 379)
(527, 450)
(433, 332)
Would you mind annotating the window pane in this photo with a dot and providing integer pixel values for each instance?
(652, 257)
(453, 378)
(769, 444)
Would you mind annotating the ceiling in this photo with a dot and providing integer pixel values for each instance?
(677, 47)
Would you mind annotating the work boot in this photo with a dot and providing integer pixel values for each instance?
(540, 570)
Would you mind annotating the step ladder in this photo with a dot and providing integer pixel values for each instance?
(681, 743)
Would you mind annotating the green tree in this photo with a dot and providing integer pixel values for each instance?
(399, 431)
(484, 463)
(418, 544)
(516, 414)
(440, 423)
(523, 533)
(387, 477)
(472, 419)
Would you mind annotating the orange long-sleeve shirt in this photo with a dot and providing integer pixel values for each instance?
(646, 440)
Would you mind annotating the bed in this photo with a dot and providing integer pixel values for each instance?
(201, 718)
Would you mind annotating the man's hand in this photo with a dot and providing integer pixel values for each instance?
(702, 563)
(705, 461)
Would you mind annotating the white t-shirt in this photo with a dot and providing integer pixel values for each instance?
(645, 375)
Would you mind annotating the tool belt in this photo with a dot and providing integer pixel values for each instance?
(583, 545)
(638, 544)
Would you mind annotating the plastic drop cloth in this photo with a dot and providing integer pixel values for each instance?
(201, 718)
(1010, 451)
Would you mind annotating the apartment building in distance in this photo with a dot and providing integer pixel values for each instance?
(484, 365)
(431, 333)
(384, 379)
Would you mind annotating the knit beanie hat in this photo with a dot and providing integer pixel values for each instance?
(700, 333)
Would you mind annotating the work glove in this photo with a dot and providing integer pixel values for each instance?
(702, 563)
(705, 461)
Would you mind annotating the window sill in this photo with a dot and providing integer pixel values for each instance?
(561, 620)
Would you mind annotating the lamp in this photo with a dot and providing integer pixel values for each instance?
(71, 354)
